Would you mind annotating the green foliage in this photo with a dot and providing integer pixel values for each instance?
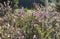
(58, 6)
(9, 17)
(13, 1)
(16, 1)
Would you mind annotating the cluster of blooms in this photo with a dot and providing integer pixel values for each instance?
(35, 25)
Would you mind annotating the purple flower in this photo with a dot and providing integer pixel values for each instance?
(22, 37)
(55, 14)
(3, 37)
(18, 32)
(15, 17)
(13, 22)
(46, 15)
(4, 26)
(8, 26)
(14, 37)
(8, 3)
(5, 3)
(1, 20)
(34, 37)
(1, 9)
(12, 28)
(58, 21)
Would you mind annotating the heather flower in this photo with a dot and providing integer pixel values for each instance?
(3, 37)
(8, 26)
(11, 32)
(22, 37)
(34, 37)
(15, 17)
(18, 32)
(55, 14)
(5, 18)
(12, 28)
(46, 15)
(13, 22)
(14, 37)
(35, 25)
(1, 20)
(4, 27)
(1, 9)
(21, 11)
(38, 14)
(5, 3)
(8, 3)
(58, 21)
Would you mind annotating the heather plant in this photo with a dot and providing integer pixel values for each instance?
(25, 25)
